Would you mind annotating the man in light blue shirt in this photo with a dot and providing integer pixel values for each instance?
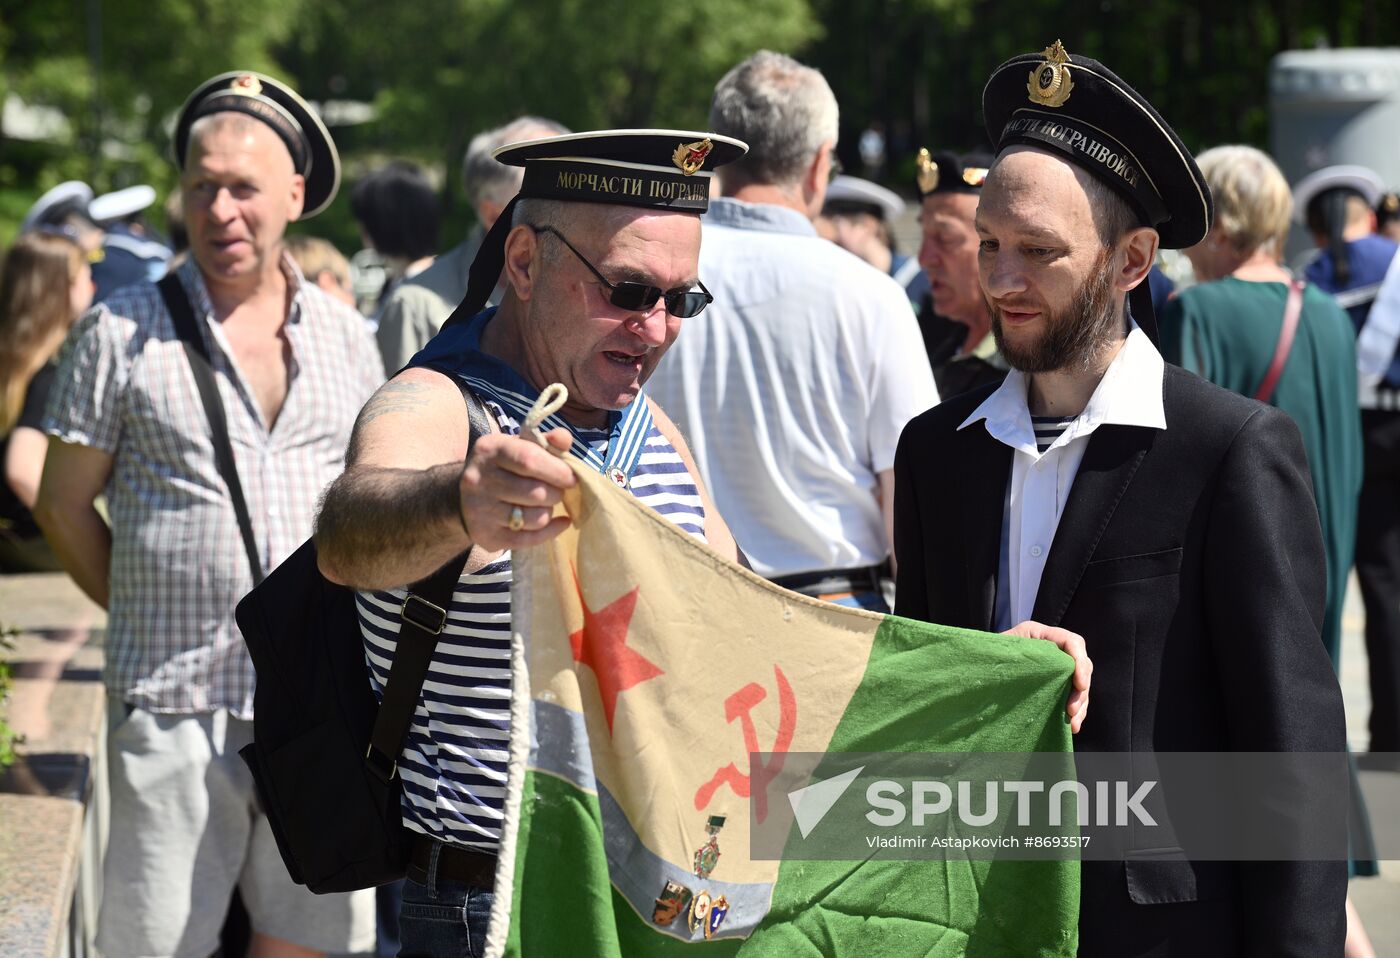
(793, 388)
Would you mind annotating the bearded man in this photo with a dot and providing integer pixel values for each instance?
(1169, 522)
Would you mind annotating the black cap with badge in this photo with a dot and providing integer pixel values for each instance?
(289, 116)
(1079, 109)
(944, 172)
(652, 169)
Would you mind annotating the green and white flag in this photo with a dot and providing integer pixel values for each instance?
(646, 672)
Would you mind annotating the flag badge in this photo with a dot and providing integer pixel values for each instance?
(707, 855)
(700, 912)
(674, 899)
(719, 910)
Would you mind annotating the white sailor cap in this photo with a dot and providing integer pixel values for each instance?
(53, 206)
(854, 193)
(110, 207)
(1344, 177)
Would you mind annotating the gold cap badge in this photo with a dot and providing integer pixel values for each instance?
(691, 156)
(246, 84)
(1050, 84)
(974, 175)
(928, 172)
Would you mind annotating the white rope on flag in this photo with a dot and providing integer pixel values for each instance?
(551, 400)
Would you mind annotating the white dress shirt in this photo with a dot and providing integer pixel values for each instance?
(1130, 394)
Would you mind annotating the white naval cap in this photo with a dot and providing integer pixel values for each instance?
(110, 207)
(70, 195)
(1348, 177)
(854, 191)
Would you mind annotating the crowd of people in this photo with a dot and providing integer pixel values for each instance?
(1023, 425)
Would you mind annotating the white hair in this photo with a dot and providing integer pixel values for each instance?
(483, 177)
(783, 110)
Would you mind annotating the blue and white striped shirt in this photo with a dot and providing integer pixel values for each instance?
(453, 764)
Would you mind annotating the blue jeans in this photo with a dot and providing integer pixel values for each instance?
(870, 601)
(443, 918)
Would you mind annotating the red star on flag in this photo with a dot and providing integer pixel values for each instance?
(602, 646)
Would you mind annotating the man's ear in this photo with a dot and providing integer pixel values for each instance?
(814, 181)
(297, 200)
(522, 247)
(1139, 251)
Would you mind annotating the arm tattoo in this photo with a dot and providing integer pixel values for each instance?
(392, 397)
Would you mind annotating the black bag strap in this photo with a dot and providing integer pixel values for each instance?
(187, 328)
(423, 615)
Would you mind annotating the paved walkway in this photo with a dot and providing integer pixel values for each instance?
(1377, 899)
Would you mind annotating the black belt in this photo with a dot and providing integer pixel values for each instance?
(455, 863)
(828, 581)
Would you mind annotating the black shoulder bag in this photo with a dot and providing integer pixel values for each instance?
(324, 751)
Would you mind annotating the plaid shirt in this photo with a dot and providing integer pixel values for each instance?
(178, 562)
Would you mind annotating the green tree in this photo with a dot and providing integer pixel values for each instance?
(918, 66)
(117, 71)
(440, 71)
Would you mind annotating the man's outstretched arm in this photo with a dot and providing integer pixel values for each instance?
(407, 499)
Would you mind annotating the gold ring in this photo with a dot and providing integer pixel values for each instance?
(516, 522)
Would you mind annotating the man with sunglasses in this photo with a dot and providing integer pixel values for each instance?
(599, 258)
(793, 387)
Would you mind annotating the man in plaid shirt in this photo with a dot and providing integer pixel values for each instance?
(293, 368)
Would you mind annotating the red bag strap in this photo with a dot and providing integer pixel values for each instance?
(1291, 311)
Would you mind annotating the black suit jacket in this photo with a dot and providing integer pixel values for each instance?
(1191, 561)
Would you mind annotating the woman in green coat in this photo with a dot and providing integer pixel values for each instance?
(1227, 329)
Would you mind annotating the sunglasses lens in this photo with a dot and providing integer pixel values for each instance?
(634, 296)
(686, 305)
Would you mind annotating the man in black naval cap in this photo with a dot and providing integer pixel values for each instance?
(288, 369)
(599, 257)
(949, 185)
(1169, 522)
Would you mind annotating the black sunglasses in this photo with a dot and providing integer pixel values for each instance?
(637, 297)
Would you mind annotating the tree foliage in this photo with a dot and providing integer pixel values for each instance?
(440, 70)
(918, 66)
(117, 72)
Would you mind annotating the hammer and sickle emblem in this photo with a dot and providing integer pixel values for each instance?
(739, 706)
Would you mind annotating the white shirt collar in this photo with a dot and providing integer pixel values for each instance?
(1129, 394)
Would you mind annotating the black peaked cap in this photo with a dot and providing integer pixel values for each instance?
(289, 116)
(1079, 109)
